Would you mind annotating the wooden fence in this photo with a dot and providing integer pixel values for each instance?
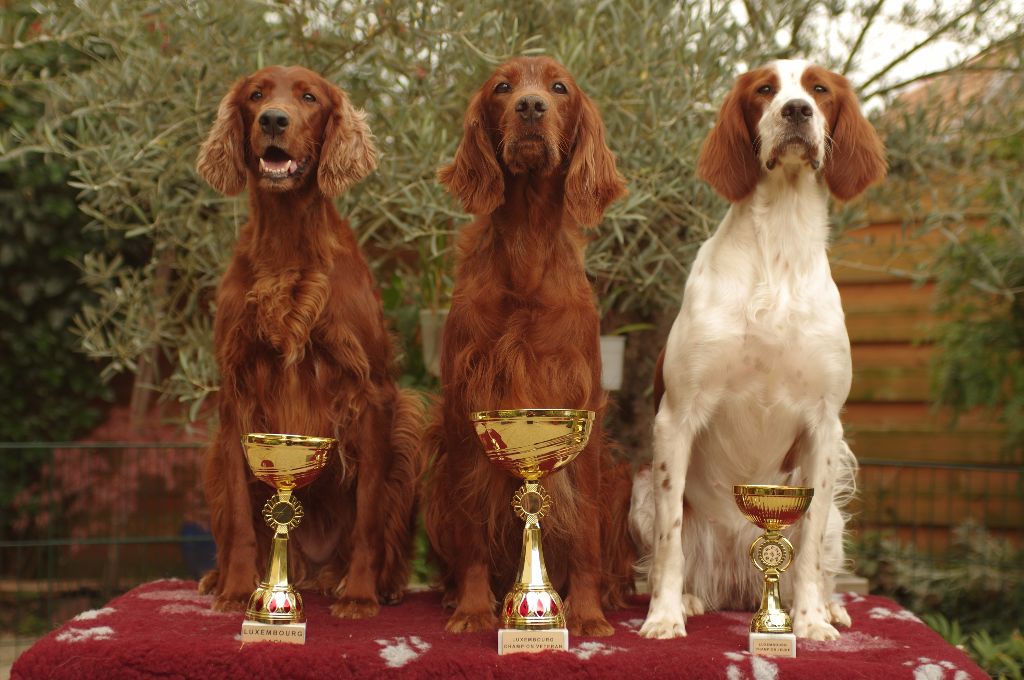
(889, 417)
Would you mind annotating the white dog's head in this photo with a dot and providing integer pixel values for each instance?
(795, 114)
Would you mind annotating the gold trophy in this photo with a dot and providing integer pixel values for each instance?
(286, 462)
(531, 443)
(773, 508)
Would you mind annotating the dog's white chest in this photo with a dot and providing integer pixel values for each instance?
(761, 326)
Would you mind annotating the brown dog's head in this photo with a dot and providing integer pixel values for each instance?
(280, 126)
(530, 117)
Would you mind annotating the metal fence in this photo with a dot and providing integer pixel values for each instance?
(84, 522)
(923, 505)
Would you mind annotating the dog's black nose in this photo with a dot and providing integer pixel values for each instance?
(797, 110)
(273, 121)
(531, 107)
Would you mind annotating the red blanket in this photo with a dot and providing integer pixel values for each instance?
(164, 629)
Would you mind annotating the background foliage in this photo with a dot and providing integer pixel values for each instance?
(980, 272)
(972, 594)
(40, 231)
(131, 119)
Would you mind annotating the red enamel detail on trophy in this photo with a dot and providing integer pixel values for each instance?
(286, 605)
(508, 608)
(272, 606)
(524, 608)
(554, 607)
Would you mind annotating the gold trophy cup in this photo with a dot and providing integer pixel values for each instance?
(773, 508)
(531, 443)
(286, 462)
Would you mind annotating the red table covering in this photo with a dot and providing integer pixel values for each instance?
(165, 629)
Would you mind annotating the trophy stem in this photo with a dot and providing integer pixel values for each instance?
(532, 603)
(771, 616)
(277, 569)
(532, 571)
(275, 600)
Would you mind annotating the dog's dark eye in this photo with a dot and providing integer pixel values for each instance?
(502, 88)
(560, 88)
(256, 95)
(309, 97)
(764, 89)
(820, 89)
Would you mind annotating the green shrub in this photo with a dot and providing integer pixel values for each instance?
(48, 390)
(977, 581)
(1002, 657)
(656, 68)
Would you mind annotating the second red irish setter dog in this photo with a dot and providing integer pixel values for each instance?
(523, 329)
(303, 348)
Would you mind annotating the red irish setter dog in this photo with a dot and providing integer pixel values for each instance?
(303, 348)
(533, 167)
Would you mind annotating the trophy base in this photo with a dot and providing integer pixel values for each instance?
(289, 633)
(514, 641)
(773, 644)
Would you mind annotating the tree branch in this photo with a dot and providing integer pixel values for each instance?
(963, 66)
(799, 18)
(754, 20)
(872, 13)
(957, 68)
(941, 30)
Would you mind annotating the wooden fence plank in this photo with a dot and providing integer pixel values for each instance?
(893, 311)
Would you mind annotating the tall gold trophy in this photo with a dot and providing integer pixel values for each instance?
(286, 462)
(530, 443)
(773, 508)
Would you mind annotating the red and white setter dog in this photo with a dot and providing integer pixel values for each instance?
(303, 348)
(757, 365)
(523, 330)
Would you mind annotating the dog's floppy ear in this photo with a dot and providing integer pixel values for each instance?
(857, 157)
(474, 177)
(593, 181)
(222, 157)
(348, 153)
(728, 160)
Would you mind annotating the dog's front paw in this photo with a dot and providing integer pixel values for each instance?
(229, 604)
(471, 621)
(663, 627)
(393, 597)
(329, 580)
(355, 608)
(814, 627)
(208, 583)
(838, 614)
(692, 605)
(597, 626)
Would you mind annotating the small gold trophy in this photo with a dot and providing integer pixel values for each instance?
(530, 443)
(285, 462)
(772, 508)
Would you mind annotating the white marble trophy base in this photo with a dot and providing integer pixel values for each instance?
(773, 644)
(513, 641)
(290, 633)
